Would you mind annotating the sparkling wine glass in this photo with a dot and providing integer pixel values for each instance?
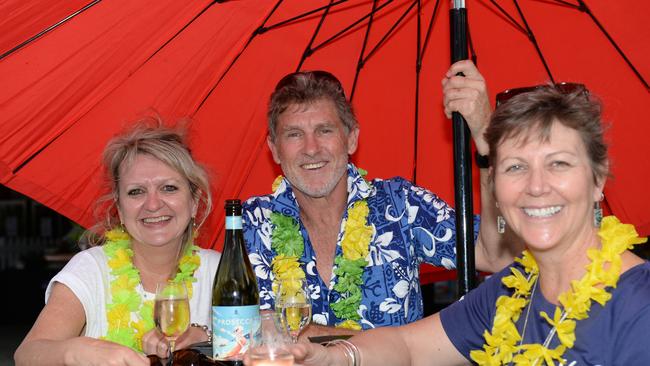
(294, 304)
(171, 311)
(269, 342)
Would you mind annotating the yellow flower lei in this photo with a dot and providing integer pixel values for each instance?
(287, 241)
(126, 302)
(501, 344)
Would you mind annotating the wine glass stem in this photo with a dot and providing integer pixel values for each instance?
(172, 345)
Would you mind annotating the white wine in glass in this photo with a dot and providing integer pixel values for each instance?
(171, 311)
(294, 304)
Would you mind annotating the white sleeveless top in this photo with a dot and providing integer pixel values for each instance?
(87, 275)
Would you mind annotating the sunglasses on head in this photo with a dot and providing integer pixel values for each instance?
(563, 87)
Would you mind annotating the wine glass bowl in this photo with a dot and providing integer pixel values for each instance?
(293, 302)
(269, 342)
(171, 311)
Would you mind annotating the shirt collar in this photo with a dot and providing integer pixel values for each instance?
(358, 187)
(285, 201)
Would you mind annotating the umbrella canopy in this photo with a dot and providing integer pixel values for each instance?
(67, 91)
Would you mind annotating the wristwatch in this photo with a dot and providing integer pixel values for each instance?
(482, 161)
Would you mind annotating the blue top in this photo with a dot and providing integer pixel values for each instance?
(616, 334)
(410, 225)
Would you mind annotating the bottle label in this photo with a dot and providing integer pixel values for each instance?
(231, 328)
(233, 223)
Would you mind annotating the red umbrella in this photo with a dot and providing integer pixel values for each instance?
(66, 92)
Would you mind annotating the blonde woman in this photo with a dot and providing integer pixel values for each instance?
(99, 307)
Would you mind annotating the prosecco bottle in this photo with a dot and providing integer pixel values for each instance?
(235, 300)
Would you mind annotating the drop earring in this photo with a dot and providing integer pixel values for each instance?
(501, 224)
(598, 212)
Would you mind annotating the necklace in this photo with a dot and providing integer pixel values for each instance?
(523, 329)
(129, 316)
(501, 347)
(288, 243)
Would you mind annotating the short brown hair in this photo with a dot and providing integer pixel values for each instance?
(537, 110)
(305, 87)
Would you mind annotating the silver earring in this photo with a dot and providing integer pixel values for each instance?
(501, 224)
(598, 212)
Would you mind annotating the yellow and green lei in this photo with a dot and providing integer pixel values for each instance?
(129, 316)
(287, 241)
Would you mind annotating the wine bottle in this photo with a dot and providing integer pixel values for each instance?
(235, 299)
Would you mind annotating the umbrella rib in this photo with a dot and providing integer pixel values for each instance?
(584, 8)
(261, 29)
(566, 3)
(363, 50)
(36, 153)
(472, 51)
(418, 67)
(510, 18)
(430, 28)
(297, 17)
(179, 32)
(308, 51)
(533, 40)
(389, 32)
(236, 58)
(49, 29)
(418, 39)
(347, 28)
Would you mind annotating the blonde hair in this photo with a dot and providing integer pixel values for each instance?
(167, 144)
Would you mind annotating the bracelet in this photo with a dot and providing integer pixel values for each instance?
(205, 329)
(351, 351)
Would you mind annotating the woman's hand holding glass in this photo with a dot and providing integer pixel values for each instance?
(171, 311)
(293, 302)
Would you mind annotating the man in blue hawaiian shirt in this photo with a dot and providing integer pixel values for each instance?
(312, 133)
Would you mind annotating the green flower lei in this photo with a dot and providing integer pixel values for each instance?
(288, 243)
(126, 301)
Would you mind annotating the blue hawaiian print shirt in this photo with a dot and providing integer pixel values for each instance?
(410, 225)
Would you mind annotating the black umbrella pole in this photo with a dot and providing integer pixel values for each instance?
(462, 163)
